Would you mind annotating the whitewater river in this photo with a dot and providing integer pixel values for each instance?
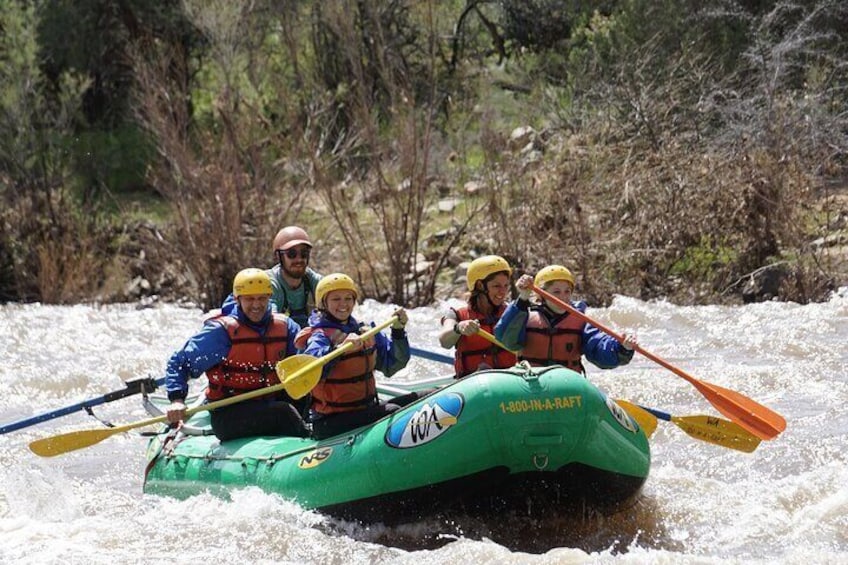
(785, 503)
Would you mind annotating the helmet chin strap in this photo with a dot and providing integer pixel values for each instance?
(485, 294)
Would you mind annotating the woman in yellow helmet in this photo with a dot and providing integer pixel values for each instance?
(346, 396)
(488, 282)
(547, 335)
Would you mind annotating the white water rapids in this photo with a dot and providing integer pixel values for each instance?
(785, 503)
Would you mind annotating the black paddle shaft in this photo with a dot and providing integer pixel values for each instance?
(131, 387)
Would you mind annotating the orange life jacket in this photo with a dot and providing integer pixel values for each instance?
(350, 384)
(252, 359)
(557, 344)
(472, 351)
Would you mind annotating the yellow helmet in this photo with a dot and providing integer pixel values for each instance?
(331, 282)
(553, 273)
(251, 282)
(484, 267)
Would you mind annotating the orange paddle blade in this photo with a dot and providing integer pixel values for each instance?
(754, 417)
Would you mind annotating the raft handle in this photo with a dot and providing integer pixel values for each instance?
(543, 440)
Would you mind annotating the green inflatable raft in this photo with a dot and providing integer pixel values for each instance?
(505, 434)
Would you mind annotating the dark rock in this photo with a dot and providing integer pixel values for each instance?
(764, 283)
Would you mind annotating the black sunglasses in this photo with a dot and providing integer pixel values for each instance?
(293, 253)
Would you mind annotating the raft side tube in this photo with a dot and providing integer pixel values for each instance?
(486, 434)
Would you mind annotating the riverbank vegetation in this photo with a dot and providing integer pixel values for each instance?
(682, 150)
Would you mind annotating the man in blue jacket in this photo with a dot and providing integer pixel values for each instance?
(238, 352)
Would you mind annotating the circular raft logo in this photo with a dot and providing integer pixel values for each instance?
(621, 416)
(428, 422)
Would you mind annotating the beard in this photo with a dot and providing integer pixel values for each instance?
(294, 271)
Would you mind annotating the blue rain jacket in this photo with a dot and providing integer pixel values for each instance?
(598, 347)
(392, 354)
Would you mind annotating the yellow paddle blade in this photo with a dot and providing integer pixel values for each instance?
(717, 431)
(62, 443)
(56, 445)
(646, 420)
(300, 373)
(297, 376)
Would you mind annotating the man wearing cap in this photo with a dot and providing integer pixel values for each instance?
(292, 279)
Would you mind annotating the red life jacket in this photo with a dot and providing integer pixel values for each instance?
(350, 384)
(472, 351)
(560, 344)
(251, 362)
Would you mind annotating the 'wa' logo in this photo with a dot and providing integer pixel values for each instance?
(621, 416)
(428, 422)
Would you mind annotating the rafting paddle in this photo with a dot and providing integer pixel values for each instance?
(706, 428)
(297, 381)
(300, 373)
(431, 355)
(754, 417)
(493, 340)
(646, 420)
(135, 386)
(71, 441)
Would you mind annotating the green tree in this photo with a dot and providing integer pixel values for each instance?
(92, 38)
(46, 239)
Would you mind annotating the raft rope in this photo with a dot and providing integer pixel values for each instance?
(270, 460)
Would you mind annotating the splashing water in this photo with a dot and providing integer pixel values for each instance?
(786, 502)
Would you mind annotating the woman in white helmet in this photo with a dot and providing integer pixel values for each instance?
(545, 334)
